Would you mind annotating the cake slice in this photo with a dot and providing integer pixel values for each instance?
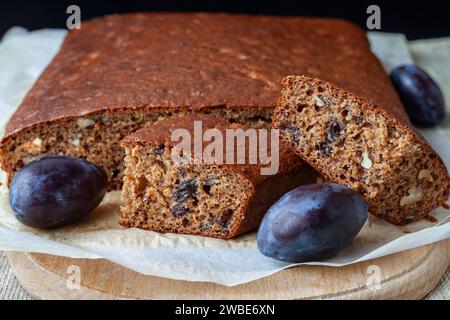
(364, 141)
(194, 197)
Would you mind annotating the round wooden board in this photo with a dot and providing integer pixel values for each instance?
(406, 275)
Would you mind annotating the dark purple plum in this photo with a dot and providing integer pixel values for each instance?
(421, 96)
(312, 222)
(55, 190)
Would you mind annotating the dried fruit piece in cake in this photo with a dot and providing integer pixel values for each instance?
(365, 142)
(194, 197)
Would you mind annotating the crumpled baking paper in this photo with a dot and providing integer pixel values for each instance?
(23, 56)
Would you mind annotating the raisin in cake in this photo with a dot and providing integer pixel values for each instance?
(121, 72)
(354, 131)
(194, 197)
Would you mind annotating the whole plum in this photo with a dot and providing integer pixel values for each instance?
(56, 190)
(312, 222)
(421, 96)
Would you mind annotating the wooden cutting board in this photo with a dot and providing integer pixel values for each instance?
(406, 275)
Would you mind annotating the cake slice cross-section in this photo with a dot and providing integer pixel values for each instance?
(188, 196)
(364, 141)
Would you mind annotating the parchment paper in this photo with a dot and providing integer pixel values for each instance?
(23, 56)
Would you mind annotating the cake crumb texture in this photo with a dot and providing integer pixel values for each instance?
(191, 197)
(366, 147)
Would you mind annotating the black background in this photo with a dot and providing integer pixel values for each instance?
(417, 19)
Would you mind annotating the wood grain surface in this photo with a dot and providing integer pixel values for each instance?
(406, 275)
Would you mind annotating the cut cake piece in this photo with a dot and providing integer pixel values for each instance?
(194, 197)
(370, 147)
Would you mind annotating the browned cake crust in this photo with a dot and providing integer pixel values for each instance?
(121, 72)
(194, 197)
(360, 136)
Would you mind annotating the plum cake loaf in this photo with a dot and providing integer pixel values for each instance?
(121, 72)
(364, 140)
(198, 197)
